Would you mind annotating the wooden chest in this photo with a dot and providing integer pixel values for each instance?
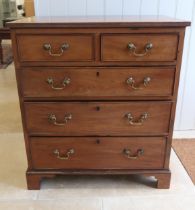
(98, 95)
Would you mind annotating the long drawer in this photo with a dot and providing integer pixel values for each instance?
(98, 153)
(74, 83)
(98, 118)
(139, 47)
(60, 48)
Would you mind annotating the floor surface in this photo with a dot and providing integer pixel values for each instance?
(185, 150)
(81, 192)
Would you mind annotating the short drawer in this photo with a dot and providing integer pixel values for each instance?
(97, 83)
(98, 153)
(97, 118)
(62, 48)
(139, 47)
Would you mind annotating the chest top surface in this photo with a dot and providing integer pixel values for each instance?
(99, 21)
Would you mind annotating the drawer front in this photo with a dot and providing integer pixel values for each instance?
(102, 153)
(55, 47)
(139, 47)
(97, 82)
(98, 118)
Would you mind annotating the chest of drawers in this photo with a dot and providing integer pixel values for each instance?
(98, 96)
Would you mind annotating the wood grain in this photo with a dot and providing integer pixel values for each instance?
(81, 47)
(98, 21)
(114, 47)
(96, 33)
(98, 118)
(98, 153)
(100, 83)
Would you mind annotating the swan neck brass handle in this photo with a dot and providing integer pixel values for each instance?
(47, 47)
(131, 82)
(65, 83)
(52, 119)
(138, 122)
(128, 153)
(132, 48)
(66, 156)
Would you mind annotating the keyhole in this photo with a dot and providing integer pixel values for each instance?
(98, 141)
(97, 73)
(98, 108)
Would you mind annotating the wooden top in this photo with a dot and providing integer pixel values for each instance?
(98, 21)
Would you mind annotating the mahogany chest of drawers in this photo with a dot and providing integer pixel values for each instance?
(98, 95)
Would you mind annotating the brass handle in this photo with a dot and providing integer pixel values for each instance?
(64, 157)
(48, 47)
(138, 122)
(128, 153)
(131, 82)
(65, 82)
(52, 118)
(133, 48)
